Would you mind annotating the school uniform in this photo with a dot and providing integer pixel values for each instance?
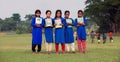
(81, 33)
(36, 33)
(48, 25)
(69, 38)
(59, 33)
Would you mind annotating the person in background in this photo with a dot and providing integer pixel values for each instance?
(48, 25)
(80, 23)
(92, 35)
(69, 38)
(111, 36)
(98, 37)
(104, 38)
(37, 24)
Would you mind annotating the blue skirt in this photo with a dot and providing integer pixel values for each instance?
(59, 36)
(49, 35)
(69, 38)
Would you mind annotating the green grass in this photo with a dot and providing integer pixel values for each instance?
(17, 48)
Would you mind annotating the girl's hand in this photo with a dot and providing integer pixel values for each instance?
(61, 24)
(69, 23)
(38, 25)
(82, 23)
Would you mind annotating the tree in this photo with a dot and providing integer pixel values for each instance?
(105, 13)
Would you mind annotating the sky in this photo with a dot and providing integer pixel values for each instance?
(23, 7)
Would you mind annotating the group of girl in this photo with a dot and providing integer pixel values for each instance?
(64, 33)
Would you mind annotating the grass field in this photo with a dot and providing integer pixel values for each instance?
(17, 48)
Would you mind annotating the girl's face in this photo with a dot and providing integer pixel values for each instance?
(80, 14)
(58, 14)
(48, 14)
(67, 15)
(37, 14)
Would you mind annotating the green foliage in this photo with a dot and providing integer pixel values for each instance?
(105, 13)
(15, 24)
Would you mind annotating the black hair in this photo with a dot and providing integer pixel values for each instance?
(37, 11)
(57, 12)
(67, 12)
(48, 11)
(80, 11)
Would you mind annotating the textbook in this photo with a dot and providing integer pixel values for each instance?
(80, 20)
(48, 22)
(68, 20)
(58, 22)
(38, 21)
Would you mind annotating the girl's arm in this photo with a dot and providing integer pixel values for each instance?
(33, 22)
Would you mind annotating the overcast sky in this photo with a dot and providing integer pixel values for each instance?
(23, 7)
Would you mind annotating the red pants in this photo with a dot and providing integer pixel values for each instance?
(57, 48)
(81, 45)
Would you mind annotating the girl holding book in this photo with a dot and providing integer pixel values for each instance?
(48, 24)
(59, 31)
(69, 38)
(81, 22)
(37, 23)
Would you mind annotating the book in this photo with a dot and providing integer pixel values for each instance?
(80, 20)
(48, 22)
(68, 20)
(38, 21)
(58, 22)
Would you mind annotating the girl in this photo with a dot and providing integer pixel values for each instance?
(81, 31)
(37, 24)
(48, 24)
(69, 38)
(59, 31)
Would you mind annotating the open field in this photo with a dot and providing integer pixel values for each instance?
(17, 48)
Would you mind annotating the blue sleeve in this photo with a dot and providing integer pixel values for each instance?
(53, 22)
(43, 23)
(75, 22)
(33, 22)
(85, 21)
(64, 22)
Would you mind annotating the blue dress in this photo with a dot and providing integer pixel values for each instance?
(59, 33)
(48, 32)
(36, 32)
(81, 31)
(69, 38)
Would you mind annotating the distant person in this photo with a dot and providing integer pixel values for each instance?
(48, 24)
(59, 31)
(98, 37)
(81, 22)
(111, 36)
(104, 38)
(69, 38)
(37, 23)
(92, 35)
